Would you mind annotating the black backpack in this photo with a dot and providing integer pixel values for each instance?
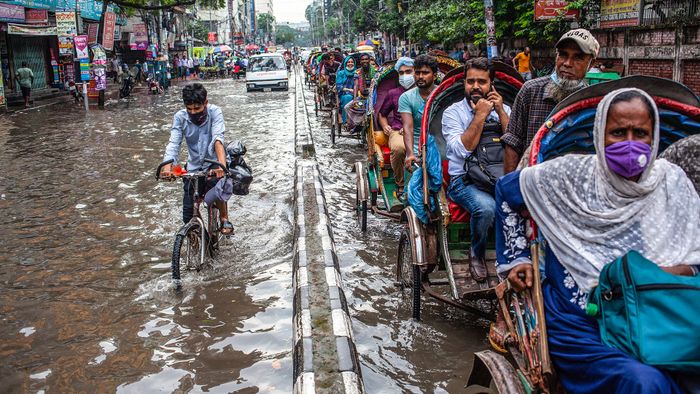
(485, 164)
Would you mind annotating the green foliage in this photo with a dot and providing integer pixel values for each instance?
(266, 22)
(285, 35)
(199, 29)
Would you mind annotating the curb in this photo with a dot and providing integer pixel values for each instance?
(324, 354)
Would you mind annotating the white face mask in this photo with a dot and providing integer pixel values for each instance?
(406, 81)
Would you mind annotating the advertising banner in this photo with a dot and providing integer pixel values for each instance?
(65, 23)
(619, 13)
(92, 29)
(84, 69)
(81, 47)
(11, 13)
(65, 46)
(550, 9)
(211, 37)
(108, 32)
(36, 17)
(31, 31)
(139, 38)
(38, 4)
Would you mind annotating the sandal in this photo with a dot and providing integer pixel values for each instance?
(226, 228)
(498, 337)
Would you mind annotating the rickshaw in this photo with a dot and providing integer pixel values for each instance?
(310, 69)
(325, 97)
(527, 367)
(376, 177)
(336, 116)
(441, 247)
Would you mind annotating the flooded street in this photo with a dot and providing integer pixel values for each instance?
(86, 301)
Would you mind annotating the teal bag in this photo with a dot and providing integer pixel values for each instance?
(648, 313)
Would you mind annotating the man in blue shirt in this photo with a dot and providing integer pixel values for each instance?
(202, 126)
(462, 125)
(412, 104)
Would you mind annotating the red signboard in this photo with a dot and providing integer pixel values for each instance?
(211, 37)
(550, 9)
(108, 32)
(92, 32)
(38, 17)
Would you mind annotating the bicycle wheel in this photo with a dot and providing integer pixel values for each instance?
(188, 250)
(214, 226)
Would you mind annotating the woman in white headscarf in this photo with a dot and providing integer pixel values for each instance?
(592, 209)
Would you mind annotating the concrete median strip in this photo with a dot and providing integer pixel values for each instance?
(325, 356)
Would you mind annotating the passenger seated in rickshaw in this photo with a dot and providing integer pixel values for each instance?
(472, 129)
(389, 119)
(329, 68)
(345, 85)
(591, 210)
(685, 153)
(363, 79)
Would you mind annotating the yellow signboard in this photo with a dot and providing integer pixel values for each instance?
(619, 13)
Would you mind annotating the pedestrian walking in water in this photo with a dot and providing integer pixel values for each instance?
(25, 78)
(137, 66)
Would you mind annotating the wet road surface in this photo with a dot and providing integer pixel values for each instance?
(396, 353)
(86, 303)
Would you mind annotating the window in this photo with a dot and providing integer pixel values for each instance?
(272, 63)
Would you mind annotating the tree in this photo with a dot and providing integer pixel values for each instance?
(286, 35)
(266, 22)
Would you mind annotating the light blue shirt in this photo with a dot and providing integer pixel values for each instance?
(200, 139)
(455, 120)
(412, 102)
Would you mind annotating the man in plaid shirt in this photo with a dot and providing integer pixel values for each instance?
(576, 50)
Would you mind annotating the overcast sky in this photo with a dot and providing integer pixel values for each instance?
(290, 10)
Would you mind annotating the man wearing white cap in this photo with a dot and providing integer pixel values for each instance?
(576, 50)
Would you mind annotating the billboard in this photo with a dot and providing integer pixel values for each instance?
(550, 9)
(619, 13)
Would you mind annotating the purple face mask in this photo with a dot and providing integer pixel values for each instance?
(628, 158)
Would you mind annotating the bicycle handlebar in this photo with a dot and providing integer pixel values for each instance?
(160, 167)
(214, 162)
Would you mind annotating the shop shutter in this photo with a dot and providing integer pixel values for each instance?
(32, 50)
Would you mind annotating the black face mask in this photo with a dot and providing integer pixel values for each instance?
(199, 118)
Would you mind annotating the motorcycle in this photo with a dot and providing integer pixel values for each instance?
(153, 85)
(127, 85)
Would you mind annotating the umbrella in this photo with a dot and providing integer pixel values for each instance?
(220, 48)
(367, 42)
(251, 47)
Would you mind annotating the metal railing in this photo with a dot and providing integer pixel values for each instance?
(655, 12)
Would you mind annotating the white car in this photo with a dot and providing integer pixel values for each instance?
(266, 72)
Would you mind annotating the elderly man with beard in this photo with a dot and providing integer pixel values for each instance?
(576, 50)
(469, 127)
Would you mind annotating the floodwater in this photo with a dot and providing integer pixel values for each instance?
(86, 301)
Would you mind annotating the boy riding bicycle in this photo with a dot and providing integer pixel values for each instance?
(202, 126)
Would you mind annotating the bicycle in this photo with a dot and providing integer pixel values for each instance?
(198, 239)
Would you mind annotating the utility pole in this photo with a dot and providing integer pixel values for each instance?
(491, 46)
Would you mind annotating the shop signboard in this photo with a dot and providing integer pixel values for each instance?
(11, 13)
(551, 9)
(65, 23)
(85, 69)
(81, 47)
(31, 30)
(108, 35)
(92, 29)
(117, 32)
(38, 4)
(91, 9)
(211, 37)
(139, 38)
(36, 17)
(619, 13)
(65, 46)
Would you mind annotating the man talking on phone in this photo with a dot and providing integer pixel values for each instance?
(472, 129)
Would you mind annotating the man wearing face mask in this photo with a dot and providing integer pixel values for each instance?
(390, 119)
(202, 127)
(472, 129)
(576, 50)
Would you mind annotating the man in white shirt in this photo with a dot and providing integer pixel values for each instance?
(481, 114)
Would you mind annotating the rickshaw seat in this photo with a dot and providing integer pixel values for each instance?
(457, 213)
(386, 154)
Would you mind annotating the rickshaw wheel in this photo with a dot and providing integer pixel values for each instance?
(360, 209)
(408, 274)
